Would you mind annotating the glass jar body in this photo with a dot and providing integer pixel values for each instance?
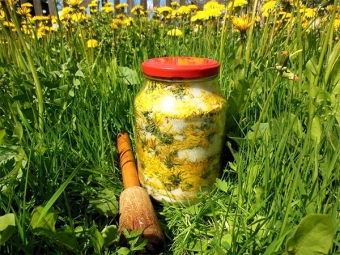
(180, 126)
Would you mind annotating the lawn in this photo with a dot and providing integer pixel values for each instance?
(67, 87)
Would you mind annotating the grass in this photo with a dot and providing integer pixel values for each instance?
(62, 105)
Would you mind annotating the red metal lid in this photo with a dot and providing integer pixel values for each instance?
(180, 67)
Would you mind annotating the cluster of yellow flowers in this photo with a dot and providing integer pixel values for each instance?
(72, 14)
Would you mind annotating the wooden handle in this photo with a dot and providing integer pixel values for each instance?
(136, 213)
(127, 162)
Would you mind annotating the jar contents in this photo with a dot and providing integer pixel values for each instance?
(180, 128)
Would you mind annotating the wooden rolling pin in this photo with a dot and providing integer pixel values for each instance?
(135, 207)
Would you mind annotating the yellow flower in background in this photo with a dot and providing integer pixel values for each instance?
(24, 11)
(237, 3)
(213, 5)
(2, 15)
(213, 13)
(93, 4)
(121, 6)
(27, 4)
(242, 23)
(66, 10)
(138, 10)
(308, 12)
(73, 3)
(92, 43)
(184, 10)
(199, 16)
(108, 4)
(174, 5)
(164, 10)
(192, 7)
(108, 9)
(268, 8)
(78, 17)
(336, 24)
(175, 32)
(128, 21)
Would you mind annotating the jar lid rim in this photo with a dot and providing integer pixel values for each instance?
(180, 67)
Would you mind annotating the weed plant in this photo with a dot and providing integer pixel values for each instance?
(67, 87)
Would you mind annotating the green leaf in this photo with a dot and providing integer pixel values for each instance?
(97, 240)
(7, 227)
(18, 131)
(222, 185)
(129, 76)
(47, 221)
(124, 251)
(109, 234)
(105, 203)
(311, 69)
(316, 131)
(313, 236)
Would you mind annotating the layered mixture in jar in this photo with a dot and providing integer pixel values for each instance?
(179, 136)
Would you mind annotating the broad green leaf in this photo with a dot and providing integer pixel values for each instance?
(7, 227)
(124, 251)
(311, 69)
(129, 76)
(222, 185)
(316, 131)
(47, 221)
(197, 245)
(18, 131)
(105, 203)
(313, 236)
(109, 234)
(96, 239)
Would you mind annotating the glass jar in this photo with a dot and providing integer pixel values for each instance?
(180, 118)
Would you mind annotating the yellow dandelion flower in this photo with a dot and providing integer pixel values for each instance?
(241, 23)
(93, 4)
(138, 10)
(164, 10)
(78, 17)
(336, 24)
(199, 16)
(108, 9)
(175, 32)
(27, 4)
(213, 5)
(92, 43)
(121, 16)
(24, 11)
(174, 4)
(192, 7)
(73, 3)
(66, 10)
(82, 8)
(268, 8)
(237, 3)
(128, 21)
(108, 4)
(308, 12)
(121, 6)
(8, 24)
(2, 15)
(184, 10)
(40, 18)
(213, 13)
